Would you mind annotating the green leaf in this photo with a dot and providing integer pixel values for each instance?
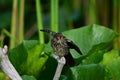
(26, 77)
(114, 69)
(49, 69)
(28, 57)
(110, 56)
(18, 57)
(3, 76)
(88, 72)
(111, 60)
(63, 77)
(91, 38)
(95, 57)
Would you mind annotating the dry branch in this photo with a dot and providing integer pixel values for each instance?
(6, 65)
(61, 62)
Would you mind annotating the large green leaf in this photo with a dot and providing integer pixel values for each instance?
(18, 56)
(93, 40)
(90, 38)
(28, 57)
(88, 72)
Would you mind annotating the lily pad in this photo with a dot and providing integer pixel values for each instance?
(91, 38)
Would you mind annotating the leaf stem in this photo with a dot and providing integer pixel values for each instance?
(14, 22)
(115, 24)
(54, 15)
(92, 13)
(21, 21)
(39, 20)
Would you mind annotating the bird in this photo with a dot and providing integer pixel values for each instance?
(62, 45)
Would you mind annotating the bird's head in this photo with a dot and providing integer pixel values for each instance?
(59, 36)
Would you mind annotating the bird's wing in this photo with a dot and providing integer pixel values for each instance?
(73, 46)
(69, 60)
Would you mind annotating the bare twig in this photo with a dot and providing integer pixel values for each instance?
(61, 62)
(6, 65)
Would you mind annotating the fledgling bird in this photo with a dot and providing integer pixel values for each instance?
(61, 46)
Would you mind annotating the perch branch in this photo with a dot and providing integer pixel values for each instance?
(6, 65)
(61, 62)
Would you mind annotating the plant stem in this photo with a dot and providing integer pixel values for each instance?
(13, 23)
(119, 21)
(1, 39)
(21, 21)
(67, 14)
(39, 20)
(92, 13)
(115, 24)
(54, 15)
(5, 32)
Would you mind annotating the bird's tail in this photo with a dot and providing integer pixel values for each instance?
(49, 31)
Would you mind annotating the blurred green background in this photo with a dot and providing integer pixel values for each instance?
(22, 19)
(71, 14)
